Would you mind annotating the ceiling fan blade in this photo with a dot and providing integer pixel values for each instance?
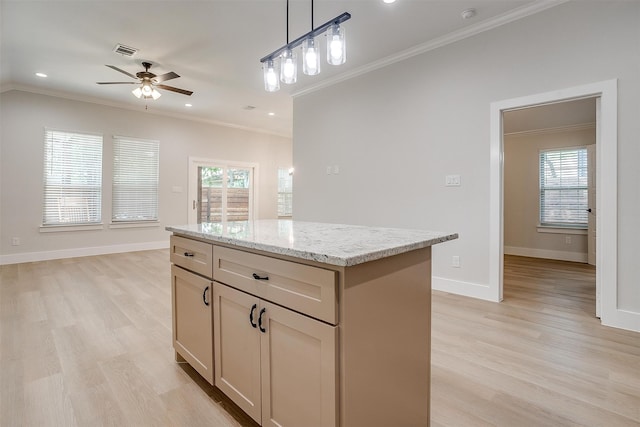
(122, 71)
(175, 89)
(117, 83)
(165, 77)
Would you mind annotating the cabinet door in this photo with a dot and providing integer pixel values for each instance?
(299, 375)
(192, 316)
(237, 348)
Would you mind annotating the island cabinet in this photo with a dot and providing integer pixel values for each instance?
(192, 308)
(312, 324)
(279, 365)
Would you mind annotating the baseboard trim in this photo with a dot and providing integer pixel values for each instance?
(546, 254)
(622, 319)
(81, 252)
(467, 289)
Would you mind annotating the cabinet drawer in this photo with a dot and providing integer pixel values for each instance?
(192, 255)
(303, 288)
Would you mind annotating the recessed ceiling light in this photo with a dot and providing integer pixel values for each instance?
(188, 105)
(41, 75)
(389, 1)
(271, 113)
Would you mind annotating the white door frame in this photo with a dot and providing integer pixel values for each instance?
(606, 197)
(195, 162)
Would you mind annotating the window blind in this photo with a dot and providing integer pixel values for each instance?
(135, 180)
(72, 178)
(564, 187)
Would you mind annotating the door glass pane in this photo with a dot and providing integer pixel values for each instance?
(238, 194)
(210, 202)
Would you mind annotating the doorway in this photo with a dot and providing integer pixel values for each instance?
(550, 194)
(606, 181)
(221, 191)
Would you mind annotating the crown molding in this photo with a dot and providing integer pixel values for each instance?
(472, 30)
(98, 101)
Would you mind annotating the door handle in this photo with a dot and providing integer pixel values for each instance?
(257, 277)
(204, 296)
(263, 330)
(253, 309)
(589, 210)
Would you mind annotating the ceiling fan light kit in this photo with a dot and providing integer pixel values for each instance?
(148, 82)
(283, 61)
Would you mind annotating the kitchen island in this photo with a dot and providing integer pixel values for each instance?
(305, 324)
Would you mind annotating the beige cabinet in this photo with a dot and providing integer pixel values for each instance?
(304, 343)
(192, 320)
(279, 366)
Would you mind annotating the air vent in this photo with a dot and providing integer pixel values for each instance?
(125, 50)
(249, 107)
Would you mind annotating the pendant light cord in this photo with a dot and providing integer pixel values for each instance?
(312, 15)
(287, 21)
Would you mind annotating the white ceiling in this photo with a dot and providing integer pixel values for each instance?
(215, 47)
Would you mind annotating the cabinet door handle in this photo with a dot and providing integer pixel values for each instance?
(255, 276)
(204, 296)
(189, 254)
(253, 309)
(263, 330)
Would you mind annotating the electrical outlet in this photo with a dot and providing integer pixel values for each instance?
(567, 240)
(455, 261)
(452, 180)
(15, 241)
(336, 169)
(328, 170)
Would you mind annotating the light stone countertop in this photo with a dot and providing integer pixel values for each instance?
(335, 244)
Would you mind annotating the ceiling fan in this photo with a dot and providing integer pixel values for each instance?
(148, 82)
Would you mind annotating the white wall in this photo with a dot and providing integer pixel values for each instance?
(397, 131)
(522, 196)
(24, 117)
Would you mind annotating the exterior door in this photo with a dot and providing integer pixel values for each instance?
(220, 191)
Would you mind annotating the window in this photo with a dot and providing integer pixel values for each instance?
(285, 193)
(135, 180)
(72, 178)
(563, 187)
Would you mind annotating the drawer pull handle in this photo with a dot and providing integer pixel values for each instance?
(253, 309)
(204, 296)
(263, 330)
(189, 254)
(255, 276)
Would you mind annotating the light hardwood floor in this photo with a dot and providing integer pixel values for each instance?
(87, 342)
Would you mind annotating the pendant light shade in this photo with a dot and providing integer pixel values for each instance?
(289, 67)
(271, 76)
(137, 92)
(336, 47)
(310, 57)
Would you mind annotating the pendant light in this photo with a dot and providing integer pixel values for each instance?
(283, 61)
(271, 76)
(289, 67)
(336, 48)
